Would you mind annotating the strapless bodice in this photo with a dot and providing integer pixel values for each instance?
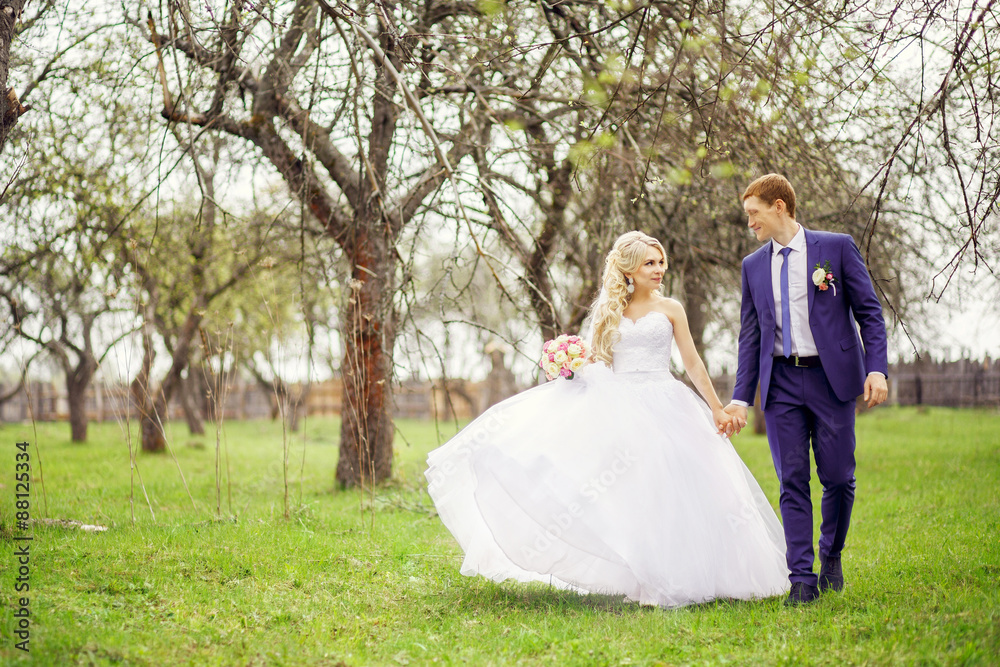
(644, 344)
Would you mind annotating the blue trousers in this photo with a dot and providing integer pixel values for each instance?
(802, 412)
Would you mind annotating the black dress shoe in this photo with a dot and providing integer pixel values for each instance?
(831, 576)
(801, 593)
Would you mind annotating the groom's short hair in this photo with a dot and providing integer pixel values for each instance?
(770, 188)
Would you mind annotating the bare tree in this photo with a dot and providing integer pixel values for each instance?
(10, 107)
(179, 271)
(55, 276)
(650, 116)
(63, 315)
(13, 25)
(303, 119)
(527, 135)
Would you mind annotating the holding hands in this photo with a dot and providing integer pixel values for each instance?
(727, 422)
(876, 391)
(738, 414)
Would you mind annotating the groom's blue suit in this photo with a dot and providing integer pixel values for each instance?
(813, 405)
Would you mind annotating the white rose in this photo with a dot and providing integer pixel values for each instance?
(577, 364)
(552, 368)
(819, 275)
(561, 357)
(574, 350)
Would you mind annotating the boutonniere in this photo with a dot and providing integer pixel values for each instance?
(823, 278)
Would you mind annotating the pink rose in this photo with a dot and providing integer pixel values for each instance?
(563, 346)
(829, 276)
(565, 373)
(824, 287)
(552, 358)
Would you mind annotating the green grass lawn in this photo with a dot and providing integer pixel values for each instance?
(372, 578)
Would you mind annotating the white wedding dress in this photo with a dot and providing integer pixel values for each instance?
(614, 482)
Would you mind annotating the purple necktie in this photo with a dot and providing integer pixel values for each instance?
(786, 310)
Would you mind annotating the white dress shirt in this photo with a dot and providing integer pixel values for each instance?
(803, 343)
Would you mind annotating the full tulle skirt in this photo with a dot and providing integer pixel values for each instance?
(609, 483)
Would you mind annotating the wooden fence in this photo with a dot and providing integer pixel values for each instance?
(44, 401)
(956, 384)
(962, 383)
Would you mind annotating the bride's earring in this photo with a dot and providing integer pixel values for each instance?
(630, 288)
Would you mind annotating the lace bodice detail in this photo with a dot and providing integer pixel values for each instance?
(645, 344)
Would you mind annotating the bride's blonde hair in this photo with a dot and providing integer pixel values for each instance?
(626, 256)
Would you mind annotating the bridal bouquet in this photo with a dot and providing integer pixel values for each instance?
(563, 356)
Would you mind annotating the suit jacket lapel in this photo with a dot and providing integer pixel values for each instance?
(767, 278)
(812, 259)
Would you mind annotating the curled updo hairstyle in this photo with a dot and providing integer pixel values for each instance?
(626, 256)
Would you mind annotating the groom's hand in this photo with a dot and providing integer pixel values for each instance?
(739, 415)
(723, 422)
(876, 389)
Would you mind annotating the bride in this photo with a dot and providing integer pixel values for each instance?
(619, 480)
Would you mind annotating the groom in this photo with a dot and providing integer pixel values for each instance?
(803, 292)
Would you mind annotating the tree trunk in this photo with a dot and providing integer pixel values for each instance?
(154, 438)
(296, 407)
(285, 402)
(150, 424)
(77, 414)
(153, 402)
(78, 376)
(152, 411)
(77, 382)
(366, 430)
(540, 289)
(695, 304)
(10, 109)
(202, 394)
(192, 415)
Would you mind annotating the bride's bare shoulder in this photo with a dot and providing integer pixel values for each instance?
(672, 308)
(667, 306)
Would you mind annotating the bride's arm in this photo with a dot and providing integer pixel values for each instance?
(694, 366)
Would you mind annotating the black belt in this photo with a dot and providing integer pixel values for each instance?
(801, 362)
